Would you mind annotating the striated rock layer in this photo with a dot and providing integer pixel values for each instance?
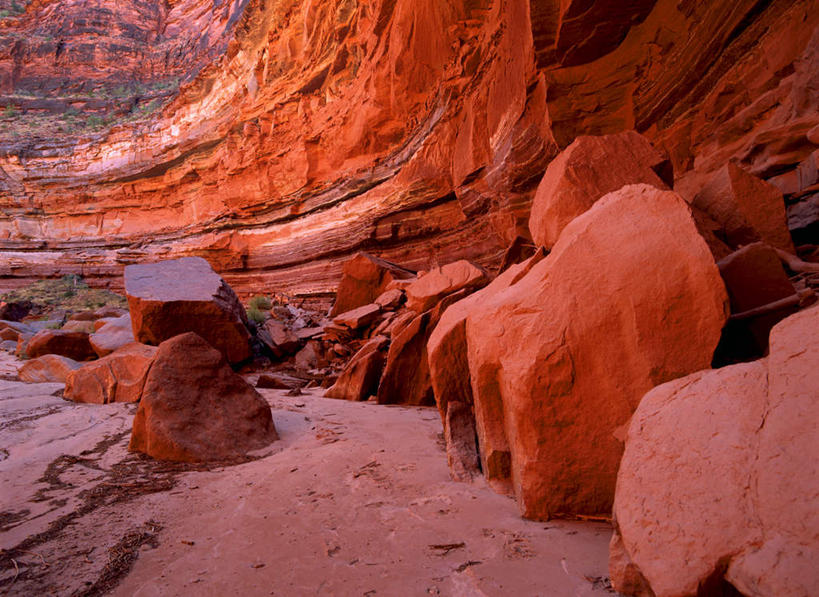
(414, 129)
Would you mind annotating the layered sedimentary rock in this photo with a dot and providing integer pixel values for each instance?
(414, 129)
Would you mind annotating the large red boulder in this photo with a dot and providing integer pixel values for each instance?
(754, 277)
(169, 298)
(359, 379)
(446, 348)
(746, 208)
(365, 278)
(279, 338)
(111, 335)
(49, 368)
(585, 171)
(359, 317)
(447, 355)
(629, 297)
(720, 477)
(406, 376)
(74, 345)
(78, 325)
(194, 408)
(10, 335)
(429, 289)
(117, 377)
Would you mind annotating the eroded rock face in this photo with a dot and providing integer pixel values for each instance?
(169, 298)
(72, 45)
(629, 297)
(461, 442)
(14, 311)
(752, 426)
(194, 408)
(318, 135)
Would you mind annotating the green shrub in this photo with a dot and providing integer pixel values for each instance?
(150, 106)
(10, 111)
(255, 315)
(261, 303)
(69, 293)
(94, 121)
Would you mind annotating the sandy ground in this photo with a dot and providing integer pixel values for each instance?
(355, 499)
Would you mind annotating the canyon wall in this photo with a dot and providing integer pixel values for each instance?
(418, 130)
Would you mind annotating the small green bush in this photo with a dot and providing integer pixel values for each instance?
(69, 293)
(150, 106)
(255, 315)
(261, 303)
(94, 121)
(10, 111)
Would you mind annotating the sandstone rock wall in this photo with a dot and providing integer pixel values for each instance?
(414, 129)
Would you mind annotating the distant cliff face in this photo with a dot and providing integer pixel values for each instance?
(277, 137)
(63, 62)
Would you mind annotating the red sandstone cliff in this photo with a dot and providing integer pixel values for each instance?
(415, 129)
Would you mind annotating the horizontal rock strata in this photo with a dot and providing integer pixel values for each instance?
(413, 129)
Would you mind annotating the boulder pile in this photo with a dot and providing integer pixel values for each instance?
(192, 406)
(545, 366)
(388, 337)
(556, 371)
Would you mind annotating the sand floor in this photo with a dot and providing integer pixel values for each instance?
(355, 499)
